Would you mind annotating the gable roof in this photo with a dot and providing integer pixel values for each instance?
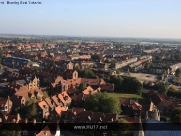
(44, 132)
(59, 109)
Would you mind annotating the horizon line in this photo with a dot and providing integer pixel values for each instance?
(80, 36)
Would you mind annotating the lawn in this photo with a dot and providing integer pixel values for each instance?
(177, 80)
(141, 100)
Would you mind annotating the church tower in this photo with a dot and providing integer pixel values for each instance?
(139, 131)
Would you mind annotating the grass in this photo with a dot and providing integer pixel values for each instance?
(141, 99)
(177, 80)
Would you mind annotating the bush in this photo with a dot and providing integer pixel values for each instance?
(176, 94)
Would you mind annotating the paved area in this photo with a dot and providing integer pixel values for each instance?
(143, 77)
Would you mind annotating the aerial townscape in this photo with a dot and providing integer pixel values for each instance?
(50, 81)
(90, 68)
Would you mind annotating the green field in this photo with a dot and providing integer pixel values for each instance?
(141, 99)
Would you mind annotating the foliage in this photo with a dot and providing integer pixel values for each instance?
(147, 66)
(30, 109)
(116, 80)
(97, 57)
(53, 64)
(45, 95)
(176, 115)
(131, 85)
(86, 73)
(102, 102)
(176, 79)
(123, 127)
(176, 94)
(10, 129)
(178, 72)
(125, 85)
(161, 87)
(82, 86)
(46, 82)
(89, 74)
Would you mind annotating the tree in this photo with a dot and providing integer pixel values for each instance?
(176, 115)
(89, 74)
(53, 64)
(45, 95)
(30, 109)
(178, 72)
(123, 127)
(97, 57)
(82, 86)
(116, 80)
(86, 73)
(46, 82)
(131, 85)
(10, 129)
(102, 102)
(161, 87)
(147, 66)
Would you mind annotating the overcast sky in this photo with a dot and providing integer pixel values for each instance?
(110, 18)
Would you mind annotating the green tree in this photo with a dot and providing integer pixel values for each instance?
(161, 87)
(45, 95)
(89, 74)
(123, 127)
(82, 86)
(176, 115)
(97, 57)
(53, 64)
(131, 85)
(30, 109)
(178, 72)
(147, 66)
(10, 129)
(46, 82)
(102, 102)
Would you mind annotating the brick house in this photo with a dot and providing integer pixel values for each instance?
(163, 103)
(5, 105)
(130, 107)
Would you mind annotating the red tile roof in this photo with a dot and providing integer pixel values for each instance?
(44, 132)
(59, 109)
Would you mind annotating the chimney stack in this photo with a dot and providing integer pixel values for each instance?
(26, 120)
(34, 121)
(18, 118)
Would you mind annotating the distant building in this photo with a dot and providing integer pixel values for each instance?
(15, 62)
